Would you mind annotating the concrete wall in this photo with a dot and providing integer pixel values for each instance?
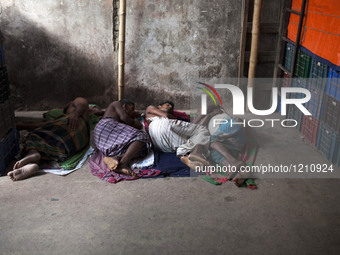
(56, 50)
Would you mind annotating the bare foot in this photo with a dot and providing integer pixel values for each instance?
(19, 163)
(192, 164)
(124, 169)
(23, 172)
(112, 162)
(32, 157)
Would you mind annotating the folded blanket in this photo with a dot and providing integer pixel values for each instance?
(170, 165)
(72, 162)
(77, 161)
(70, 165)
(165, 164)
(145, 162)
(101, 170)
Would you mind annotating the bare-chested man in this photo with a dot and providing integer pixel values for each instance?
(54, 140)
(118, 136)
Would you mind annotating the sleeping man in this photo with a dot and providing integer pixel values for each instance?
(168, 134)
(119, 138)
(53, 140)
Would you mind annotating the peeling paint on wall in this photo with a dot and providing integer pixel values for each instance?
(56, 50)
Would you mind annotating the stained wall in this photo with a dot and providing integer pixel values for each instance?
(57, 50)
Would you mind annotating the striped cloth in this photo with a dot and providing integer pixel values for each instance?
(170, 135)
(113, 138)
(55, 140)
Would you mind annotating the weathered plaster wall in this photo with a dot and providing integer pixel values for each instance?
(56, 50)
(172, 44)
(59, 49)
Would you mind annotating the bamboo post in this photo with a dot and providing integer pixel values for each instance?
(121, 53)
(255, 34)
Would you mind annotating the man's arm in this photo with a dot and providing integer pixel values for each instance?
(79, 107)
(152, 111)
(121, 116)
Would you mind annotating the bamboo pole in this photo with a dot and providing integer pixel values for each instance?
(255, 34)
(121, 53)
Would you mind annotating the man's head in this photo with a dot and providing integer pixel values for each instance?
(70, 107)
(128, 106)
(166, 106)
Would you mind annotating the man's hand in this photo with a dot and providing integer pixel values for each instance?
(73, 120)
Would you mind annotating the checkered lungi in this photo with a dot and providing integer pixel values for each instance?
(56, 141)
(113, 138)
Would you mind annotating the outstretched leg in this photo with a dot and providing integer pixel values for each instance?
(23, 172)
(32, 156)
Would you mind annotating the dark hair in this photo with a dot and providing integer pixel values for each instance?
(169, 102)
(126, 101)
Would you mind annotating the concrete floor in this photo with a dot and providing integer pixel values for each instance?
(81, 214)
